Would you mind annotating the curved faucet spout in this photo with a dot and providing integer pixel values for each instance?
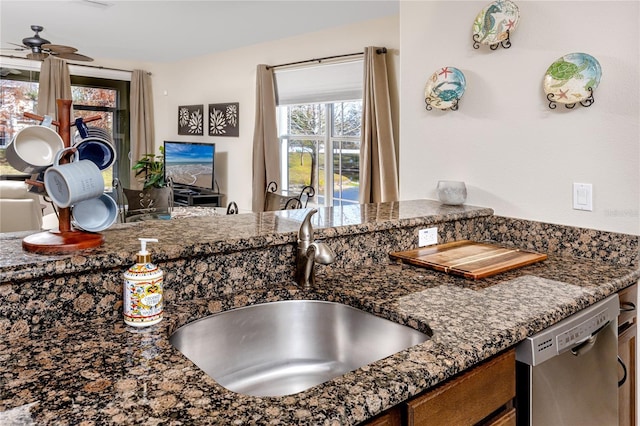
(305, 233)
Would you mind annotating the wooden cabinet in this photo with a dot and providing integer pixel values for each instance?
(391, 417)
(470, 398)
(482, 395)
(627, 344)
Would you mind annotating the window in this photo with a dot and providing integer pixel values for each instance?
(319, 122)
(91, 96)
(307, 133)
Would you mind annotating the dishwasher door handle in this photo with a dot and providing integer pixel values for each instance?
(585, 345)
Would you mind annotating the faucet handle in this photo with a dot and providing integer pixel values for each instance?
(306, 229)
(323, 254)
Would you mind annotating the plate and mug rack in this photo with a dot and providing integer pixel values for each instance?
(65, 238)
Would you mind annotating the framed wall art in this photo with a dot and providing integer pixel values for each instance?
(224, 119)
(191, 120)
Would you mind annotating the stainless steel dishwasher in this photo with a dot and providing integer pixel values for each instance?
(567, 374)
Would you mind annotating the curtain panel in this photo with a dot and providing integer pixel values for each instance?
(54, 84)
(266, 146)
(378, 164)
(141, 121)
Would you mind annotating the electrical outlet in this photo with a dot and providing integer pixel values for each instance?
(427, 237)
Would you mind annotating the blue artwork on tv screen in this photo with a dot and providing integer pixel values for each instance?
(190, 163)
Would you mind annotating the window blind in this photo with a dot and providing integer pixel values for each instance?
(320, 83)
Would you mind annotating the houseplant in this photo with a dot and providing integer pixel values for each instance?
(150, 170)
(155, 200)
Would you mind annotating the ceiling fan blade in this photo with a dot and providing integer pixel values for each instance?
(39, 56)
(6, 71)
(72, 56)
(11, 49)
(58, 48)
(20, 46)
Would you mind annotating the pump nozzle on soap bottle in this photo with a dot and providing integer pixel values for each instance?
(142, 292)
(143, 255)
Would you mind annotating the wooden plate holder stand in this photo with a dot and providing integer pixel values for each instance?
(64, 239)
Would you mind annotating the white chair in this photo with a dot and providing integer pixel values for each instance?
(20, 210)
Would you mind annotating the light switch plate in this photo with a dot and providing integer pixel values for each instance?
(428, 237)
(583, 196)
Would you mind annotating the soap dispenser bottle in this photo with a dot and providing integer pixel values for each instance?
(142, 293)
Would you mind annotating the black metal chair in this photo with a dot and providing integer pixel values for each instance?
(149, 203)
(274, 201)
(232, 208)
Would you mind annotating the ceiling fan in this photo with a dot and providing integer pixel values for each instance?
(40, 48)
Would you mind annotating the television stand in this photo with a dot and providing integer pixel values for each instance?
(184, 196)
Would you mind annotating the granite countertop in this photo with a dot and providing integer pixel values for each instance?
(205, 232)
(102, 372)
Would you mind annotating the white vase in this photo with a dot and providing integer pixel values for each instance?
(452, 192)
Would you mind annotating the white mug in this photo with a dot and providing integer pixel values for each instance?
(67, 184)
(33, 148)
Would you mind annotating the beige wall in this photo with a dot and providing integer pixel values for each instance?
(515, 154)
(230, 77)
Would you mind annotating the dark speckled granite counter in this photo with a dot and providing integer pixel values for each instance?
(66, 357)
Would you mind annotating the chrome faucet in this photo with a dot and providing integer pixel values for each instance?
(309, 252)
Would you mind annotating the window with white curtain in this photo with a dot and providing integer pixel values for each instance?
(319, 122)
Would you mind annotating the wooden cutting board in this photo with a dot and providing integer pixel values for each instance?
(469, 258)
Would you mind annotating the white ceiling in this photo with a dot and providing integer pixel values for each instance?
(165, 31)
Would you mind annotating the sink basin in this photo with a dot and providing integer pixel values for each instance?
(281, 348)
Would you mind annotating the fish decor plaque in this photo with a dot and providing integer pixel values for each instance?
(444, 89)
(495, 23)
(571, 80)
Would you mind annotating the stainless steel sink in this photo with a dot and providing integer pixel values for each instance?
(281, 348)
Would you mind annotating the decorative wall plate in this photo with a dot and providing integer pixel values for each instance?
(572, 78)
(445, 88)
(494, 23)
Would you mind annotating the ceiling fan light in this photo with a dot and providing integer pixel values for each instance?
(38, 56)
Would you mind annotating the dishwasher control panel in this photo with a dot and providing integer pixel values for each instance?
(569, 332)
(582, 331)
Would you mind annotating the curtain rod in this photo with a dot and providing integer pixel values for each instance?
(378, 51)
(75, 65)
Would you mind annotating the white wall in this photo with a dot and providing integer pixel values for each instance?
(515, 154)
(230, 77)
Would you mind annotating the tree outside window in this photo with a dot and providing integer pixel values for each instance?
(91, 96)
(310, 131)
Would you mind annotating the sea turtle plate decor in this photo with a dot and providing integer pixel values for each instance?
(494, 24)
(572, 79)
(445, 88)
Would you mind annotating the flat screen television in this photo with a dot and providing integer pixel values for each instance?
(190, 164)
